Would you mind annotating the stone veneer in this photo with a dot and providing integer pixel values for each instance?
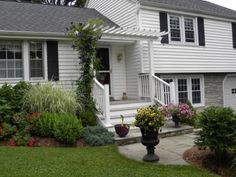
(214, 89)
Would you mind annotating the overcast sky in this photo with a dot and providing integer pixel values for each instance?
(226, 3)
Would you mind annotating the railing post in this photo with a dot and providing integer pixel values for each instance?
(172, 93)
(107, 105)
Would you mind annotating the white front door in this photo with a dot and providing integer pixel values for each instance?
(230, 92)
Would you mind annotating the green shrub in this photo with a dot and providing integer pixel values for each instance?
(63, 127)
(50, 98)
(87, 118)
(97, 136)
(6, 131)
(234, 165)
(218, 130)
(67, 129)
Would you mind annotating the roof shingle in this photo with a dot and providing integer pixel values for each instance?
(29, 17)
(196, 6)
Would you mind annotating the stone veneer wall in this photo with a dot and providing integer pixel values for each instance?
(214, 89)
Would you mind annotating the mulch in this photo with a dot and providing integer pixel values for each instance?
(205, 158)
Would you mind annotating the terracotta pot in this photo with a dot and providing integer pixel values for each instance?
(150, 140)
(122, 130)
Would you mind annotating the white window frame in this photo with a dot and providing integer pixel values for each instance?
(14, 78)
(26, 63)
(189, 87)
(182, 30)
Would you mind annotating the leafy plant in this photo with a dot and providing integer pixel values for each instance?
(234, 165)
(67, 128)
(150, 118)
(87, 118)
(218, 130)
(97, 136)
(85, 42)
(64, 127)
(6, 130)
(50, 98)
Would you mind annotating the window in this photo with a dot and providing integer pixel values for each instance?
(182, 90)
(189, 30)
(182, 29)
(36, 60)
(196, 90)
(175, 28)
(11, 60)
(234, 91)
(188, 88)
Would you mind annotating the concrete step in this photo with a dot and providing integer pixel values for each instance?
(129, 106)
(168, 130)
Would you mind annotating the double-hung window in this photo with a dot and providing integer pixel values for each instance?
(188, 88)
(11, 65)
(182, 29)
(36, 59)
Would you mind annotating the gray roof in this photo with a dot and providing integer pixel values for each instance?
(196, 6)
(29, 17)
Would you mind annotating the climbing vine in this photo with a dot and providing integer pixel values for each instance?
(85, 37)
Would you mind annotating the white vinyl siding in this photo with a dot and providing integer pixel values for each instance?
(133, 68)
(68, 64)
(118, 72)
(217, 56)
(122, 12)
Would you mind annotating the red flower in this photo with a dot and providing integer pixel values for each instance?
(11, 142)
(31, 142)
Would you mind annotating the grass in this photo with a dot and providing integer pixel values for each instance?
(83, 162)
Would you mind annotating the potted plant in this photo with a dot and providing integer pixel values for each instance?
(122, 129)
(178, 112)
(149, 120)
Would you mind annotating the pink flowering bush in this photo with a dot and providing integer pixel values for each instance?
(182, 111)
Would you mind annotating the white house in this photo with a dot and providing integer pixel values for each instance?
(198, 54)
(196, 61)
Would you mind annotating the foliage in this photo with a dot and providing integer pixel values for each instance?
(97, 136)
(192, 121)
(76, 3)
(218, 130)
(50, 98)
(65, 128)
(85, 42)
(87, 118)
(85, 162)
(6, 130)
(149, 118)
(182, 111)
(234, 165)
(10, 104)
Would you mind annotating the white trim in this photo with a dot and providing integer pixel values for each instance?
(189, 86)
(182, 30)
(25, 48)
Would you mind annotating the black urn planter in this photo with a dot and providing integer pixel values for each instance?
(176, 120)
(150, 140)
(122, 129)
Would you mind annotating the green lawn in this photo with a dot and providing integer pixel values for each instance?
(80, 162)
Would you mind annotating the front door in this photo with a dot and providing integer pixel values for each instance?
(104, 75)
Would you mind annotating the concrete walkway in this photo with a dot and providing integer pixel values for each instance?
(169, 150)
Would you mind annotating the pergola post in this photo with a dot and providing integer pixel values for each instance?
(151, 69)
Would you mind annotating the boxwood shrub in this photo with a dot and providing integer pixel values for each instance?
(218, 130)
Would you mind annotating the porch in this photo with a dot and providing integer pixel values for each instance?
(121, 87)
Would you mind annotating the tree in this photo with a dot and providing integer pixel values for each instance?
(76, 3)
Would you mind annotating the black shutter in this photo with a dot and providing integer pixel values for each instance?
(234, 34)
(201, 31)
(164, 26)
(52, 54)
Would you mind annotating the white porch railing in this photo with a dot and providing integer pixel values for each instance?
(160, 91)
(101, 96)
(144, 86)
